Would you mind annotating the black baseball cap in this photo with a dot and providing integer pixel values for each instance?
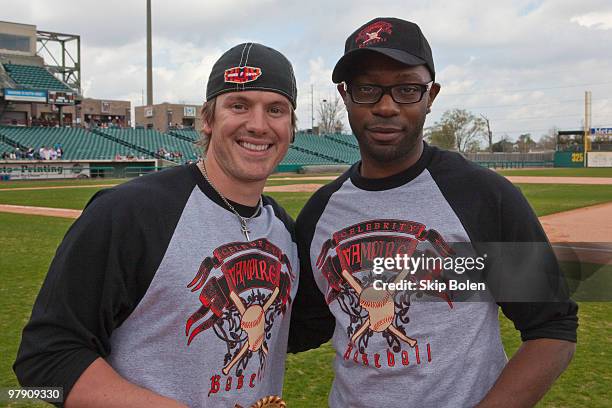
(398, 39)
(252, 66)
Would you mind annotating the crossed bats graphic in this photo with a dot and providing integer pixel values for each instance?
(380, 311)
(372, 36)
(252, 320)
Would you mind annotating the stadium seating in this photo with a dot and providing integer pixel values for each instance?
(77, 144)
(30, 76)
(152, 140)
(302, 158)
(185, 134)
(347, 140)
(335, 152)
(106, 144)
(6, 147)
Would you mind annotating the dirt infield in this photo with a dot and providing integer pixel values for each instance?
(52, 212)
(583, 234)
(55, 187)
(560, 180)
(587, 224)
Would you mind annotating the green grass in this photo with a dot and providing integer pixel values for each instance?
(589, 281)
(58, 183)
(299, 181)
(298, 175)
(73, 198)
(77, 198)
(29, 242)
(552, 198)
(111, 182)
(291, 202)
(586, 382)
(308, 377)
(560, 172)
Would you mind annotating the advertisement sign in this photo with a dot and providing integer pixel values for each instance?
(599, 159)
(601, 135)
(25, 95)
(601, 131)
(44, 170)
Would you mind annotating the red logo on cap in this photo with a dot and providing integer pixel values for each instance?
(373, 34)
(240, 75)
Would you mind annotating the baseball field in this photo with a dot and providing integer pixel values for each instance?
(28, 243)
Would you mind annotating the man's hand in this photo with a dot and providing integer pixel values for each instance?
(101, 386)
(529, 373)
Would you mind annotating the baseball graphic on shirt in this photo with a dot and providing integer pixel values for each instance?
(253, 323)
(346, 260)
(380, 307)
(243, 287)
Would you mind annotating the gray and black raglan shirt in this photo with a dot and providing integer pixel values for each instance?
(157, 278)
(426, 348)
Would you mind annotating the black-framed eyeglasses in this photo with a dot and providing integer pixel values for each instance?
(400, 93)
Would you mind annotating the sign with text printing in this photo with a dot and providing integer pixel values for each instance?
(25, 95)
(601, 131)
(45, 170)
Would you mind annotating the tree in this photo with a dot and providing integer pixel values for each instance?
(549, 141)
(462, 127)
(503, 146)
(440, 135)
(330, 116)
(525, 143)
(489, 134)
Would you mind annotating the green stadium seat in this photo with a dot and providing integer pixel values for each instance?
(152, 140)
(29, 76)
(336, 153)
(105, 144)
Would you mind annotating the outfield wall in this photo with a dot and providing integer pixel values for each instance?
(599, 159)
(511, 160)
(36, 170)
(72, 169)
(569, 159)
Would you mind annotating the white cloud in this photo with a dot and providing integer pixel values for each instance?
(599, 21)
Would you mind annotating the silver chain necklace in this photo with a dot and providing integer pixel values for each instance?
(243, 220)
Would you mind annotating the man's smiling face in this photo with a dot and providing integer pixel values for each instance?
(250, 133)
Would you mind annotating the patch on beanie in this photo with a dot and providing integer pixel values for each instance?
(241, 75)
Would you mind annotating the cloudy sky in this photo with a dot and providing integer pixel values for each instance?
(523, 64)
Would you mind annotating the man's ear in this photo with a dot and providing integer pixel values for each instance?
(206, 127)
(433, 92)
(342, 92)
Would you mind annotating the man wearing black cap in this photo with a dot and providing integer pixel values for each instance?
(175, 289)
(425, 346)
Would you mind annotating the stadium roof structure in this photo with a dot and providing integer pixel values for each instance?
(5, 80)
(34, 77)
